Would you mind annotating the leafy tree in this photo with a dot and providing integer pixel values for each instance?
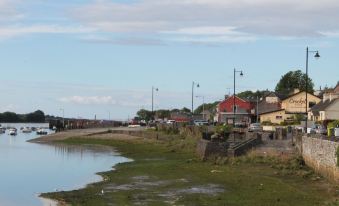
(162, 114)
(294, 80)
(185, 110)
(37, 116)
(144, 114)
(10, 117)
(208, 107)
(253, 95)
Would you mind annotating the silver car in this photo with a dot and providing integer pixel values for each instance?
(255, 127)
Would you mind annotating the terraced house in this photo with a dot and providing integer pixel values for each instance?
(328, 108)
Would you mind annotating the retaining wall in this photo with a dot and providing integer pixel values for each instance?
(206, 149)
(320, 154)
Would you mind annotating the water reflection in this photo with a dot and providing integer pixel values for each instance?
(28, 169)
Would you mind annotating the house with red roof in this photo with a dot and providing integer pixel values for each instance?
(242, 111)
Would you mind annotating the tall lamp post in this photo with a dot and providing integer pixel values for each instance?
(109, 115)
(234, 108)
(194, 84)
(316, 56)
(153, 89)
(203, 106)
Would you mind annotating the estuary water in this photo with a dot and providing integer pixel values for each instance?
(28, 169)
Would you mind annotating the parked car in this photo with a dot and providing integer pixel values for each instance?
(170, 122)
(320, 129)
(255, 127)
(240, 125)
(200, 122)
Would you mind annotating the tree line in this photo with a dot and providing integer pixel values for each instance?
(33, 117)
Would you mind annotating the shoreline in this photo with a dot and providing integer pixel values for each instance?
(56, 138)
(167, 172)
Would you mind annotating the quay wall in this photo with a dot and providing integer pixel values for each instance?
(320, 155)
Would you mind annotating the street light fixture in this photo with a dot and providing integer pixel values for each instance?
(316, 56)
(153, 89)
(194, 84)
(234, 108)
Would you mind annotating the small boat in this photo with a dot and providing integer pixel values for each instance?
(12, 132)
(2, 130)
(41, 132)
(26, 130)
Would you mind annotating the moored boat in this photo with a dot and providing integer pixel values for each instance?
(41, 132)
(26, 130)
(2, 130)
(12, 132)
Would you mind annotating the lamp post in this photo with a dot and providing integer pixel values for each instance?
(109, 115)
(316, 56)
(194, 84)
(203, 106)
(63, 117)
(234, 109)
(153, 89)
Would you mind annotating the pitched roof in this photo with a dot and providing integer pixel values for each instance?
(321, 106)
(298, 94)
(265, 107)
(278, 110)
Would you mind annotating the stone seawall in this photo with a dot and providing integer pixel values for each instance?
(320, 155)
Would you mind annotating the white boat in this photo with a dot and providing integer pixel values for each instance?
(26, 130)
(12, 132)
(41, 132)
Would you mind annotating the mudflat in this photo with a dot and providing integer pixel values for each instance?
(96, 133)
(167, 172)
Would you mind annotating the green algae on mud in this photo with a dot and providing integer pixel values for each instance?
(168, 174)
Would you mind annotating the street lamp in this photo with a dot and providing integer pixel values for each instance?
(109, 115)
(203, 106)
(194, 84)
(63, 117)
(316, 56)
(234, 109)
(153, 89)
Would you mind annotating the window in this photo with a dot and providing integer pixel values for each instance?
(278, 117)
(311, 104)
(235, 108)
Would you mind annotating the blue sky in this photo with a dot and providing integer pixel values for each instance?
(100, 56)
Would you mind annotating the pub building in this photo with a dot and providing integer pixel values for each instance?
(290, 106)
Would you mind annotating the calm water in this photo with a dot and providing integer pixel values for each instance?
(27, 169)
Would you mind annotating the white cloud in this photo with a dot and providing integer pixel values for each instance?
(130, 40)
(11, 31)
(129, 99)
(91, 100)
(215, 20)
(8, 11)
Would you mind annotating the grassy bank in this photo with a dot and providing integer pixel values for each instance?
(167, 173)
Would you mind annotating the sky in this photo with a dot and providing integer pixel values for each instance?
(102, 57)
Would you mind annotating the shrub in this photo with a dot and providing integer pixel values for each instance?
(333, 124)
(267, 123)
(337, 154)
(223, 130)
